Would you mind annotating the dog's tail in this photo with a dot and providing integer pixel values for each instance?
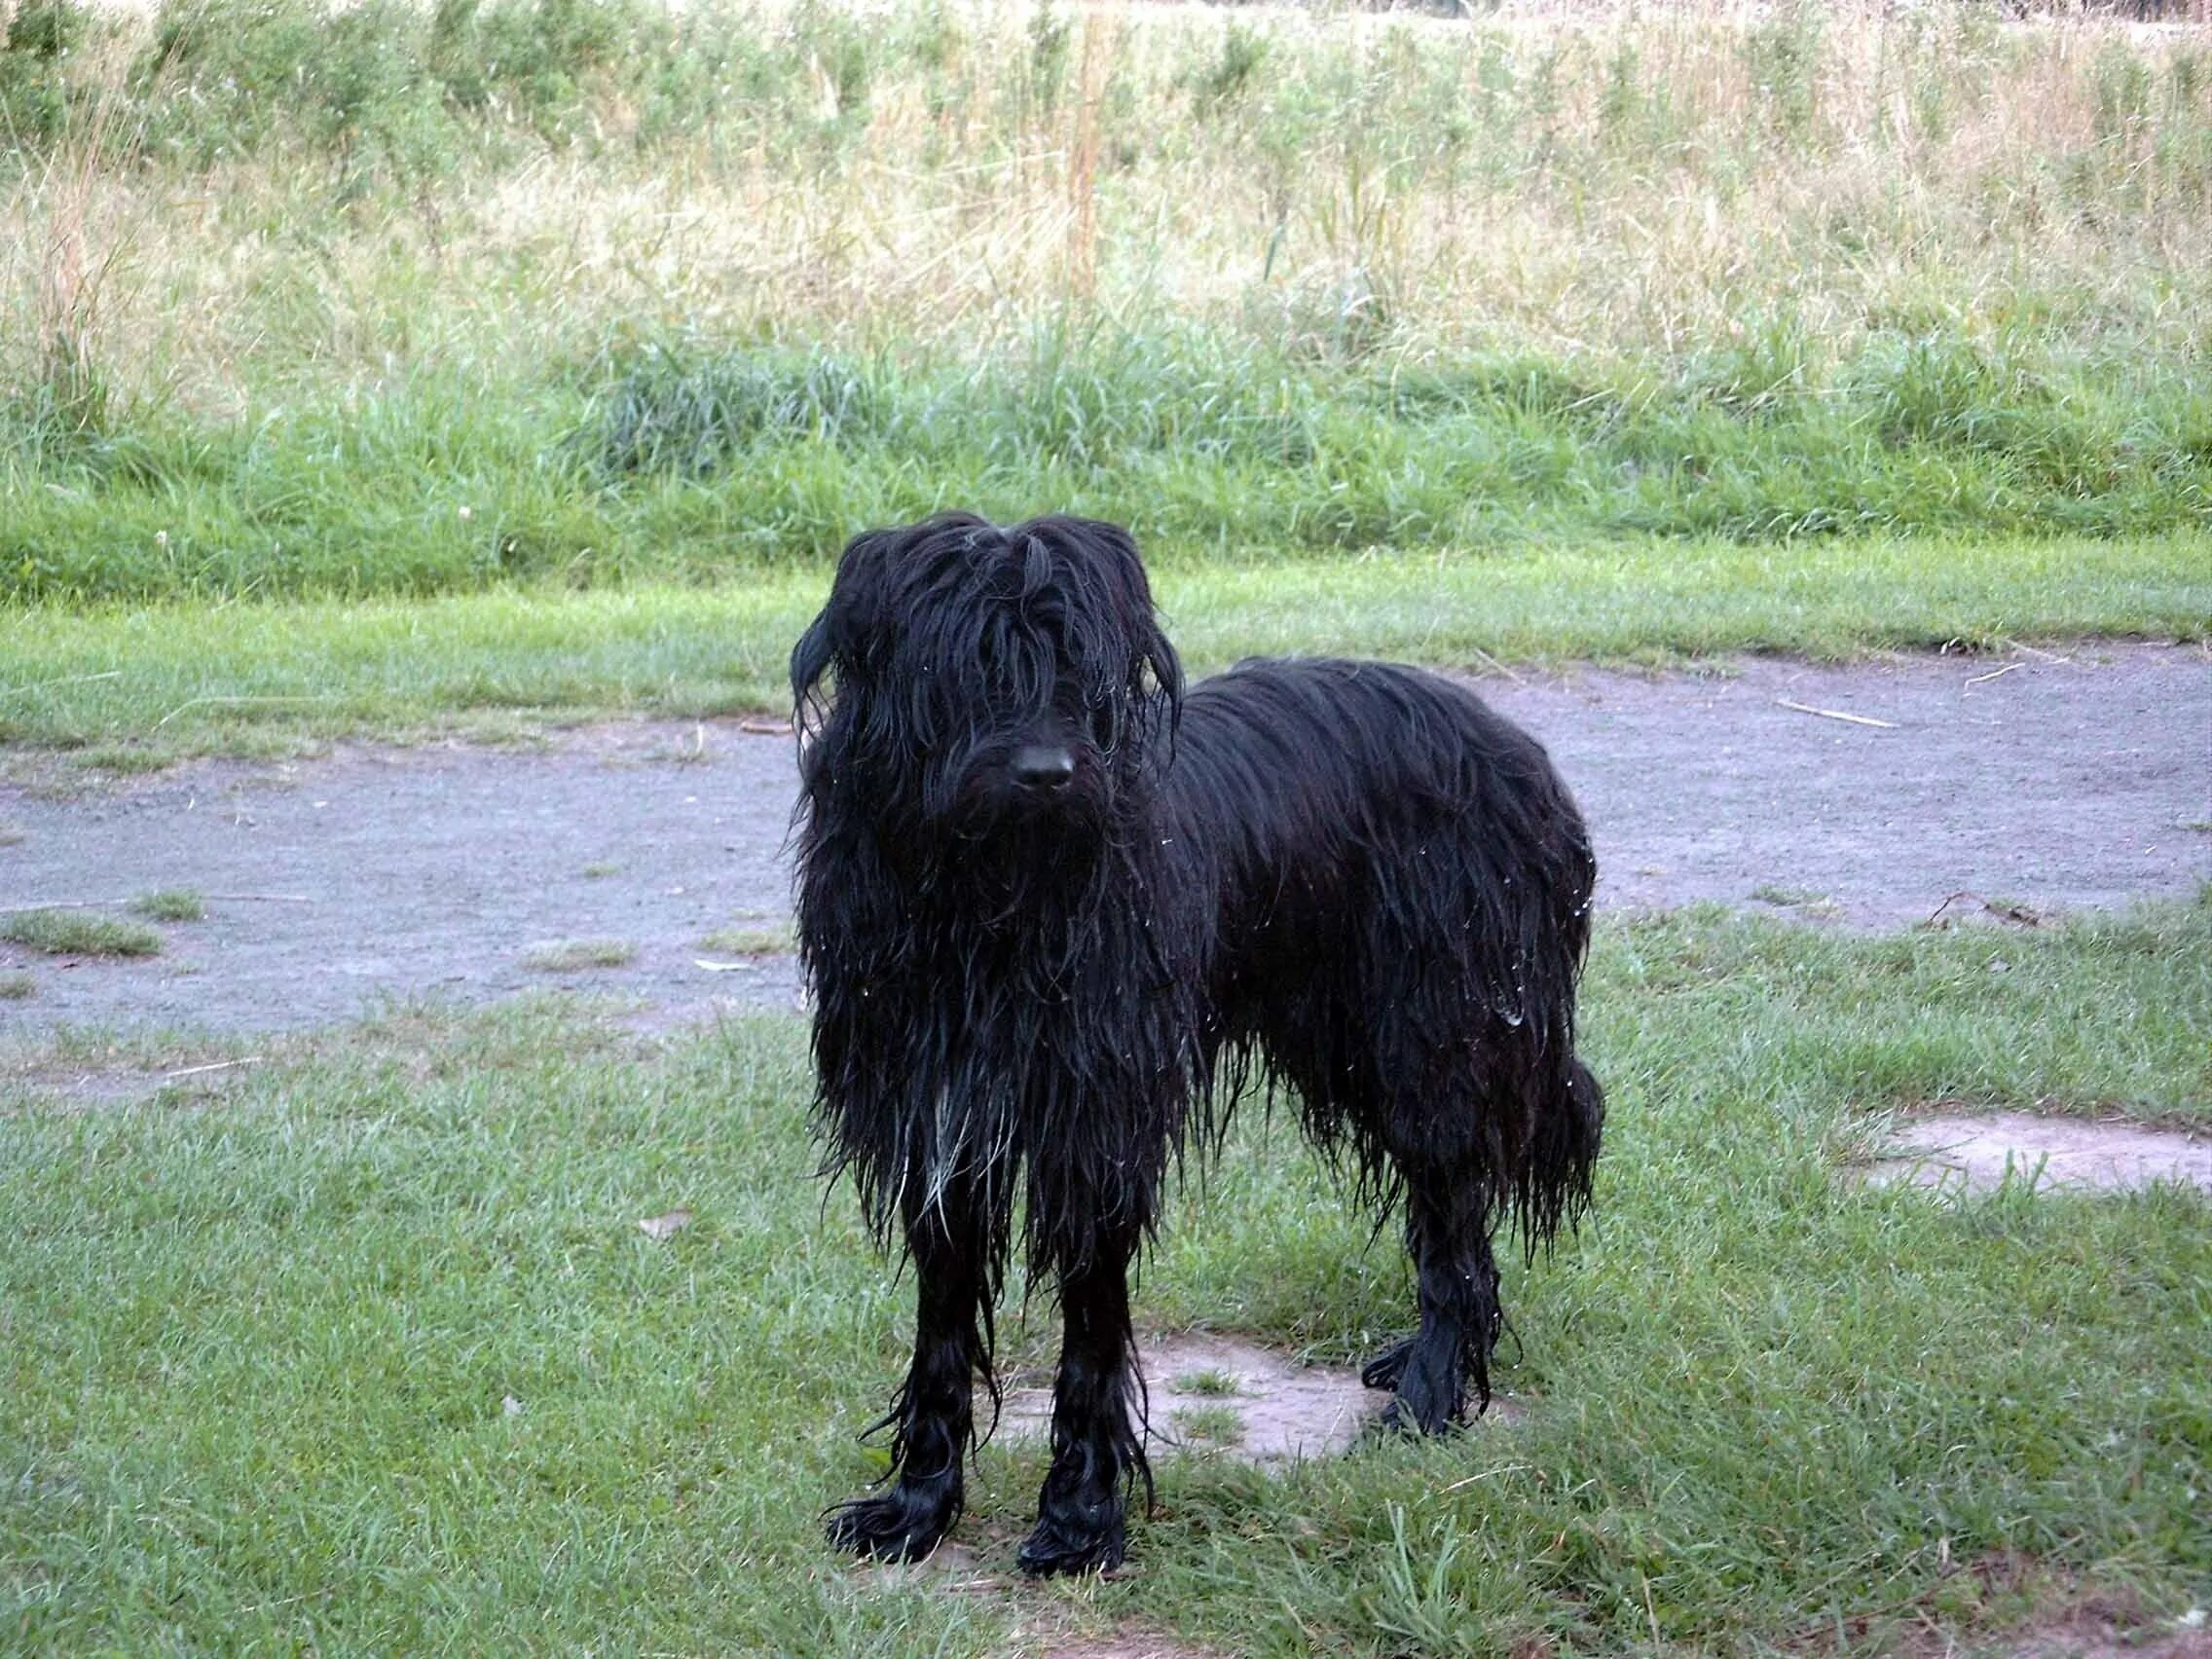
(1555, 1184)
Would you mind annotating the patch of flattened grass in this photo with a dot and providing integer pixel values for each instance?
(1772, 893)
(79, 932)
(15, 987)
(170, 904)
(1805, 901)
(578, 955)
(11, 835)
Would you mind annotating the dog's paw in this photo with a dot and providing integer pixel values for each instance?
(1386, 1368)
(1071, 1544)
(900, 1525)
(1404, 1417)
(1432, 1393)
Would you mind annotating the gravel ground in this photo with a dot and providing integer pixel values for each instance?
(2058, 782)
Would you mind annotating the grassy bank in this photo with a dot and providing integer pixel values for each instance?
(368, 1353)
(396, 300)
(676, 466)
(128, 687)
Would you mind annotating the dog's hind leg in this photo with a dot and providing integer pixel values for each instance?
(1448, 1230)
(1453, 1205)
(1095, 1445)
(933, 1416)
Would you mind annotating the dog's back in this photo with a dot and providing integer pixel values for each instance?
(1358, 754)
(1322, 785)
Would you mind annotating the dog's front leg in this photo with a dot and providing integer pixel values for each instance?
(1096, 1445)
(933, 1414)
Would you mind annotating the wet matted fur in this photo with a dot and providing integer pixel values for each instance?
(1050, 899)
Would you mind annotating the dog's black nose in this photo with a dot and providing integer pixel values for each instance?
(1040, 767)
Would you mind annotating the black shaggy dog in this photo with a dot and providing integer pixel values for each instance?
(1049, 900)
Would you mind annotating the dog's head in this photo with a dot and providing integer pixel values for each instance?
(980, 681)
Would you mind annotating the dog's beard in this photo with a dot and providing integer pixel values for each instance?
(1038, 872)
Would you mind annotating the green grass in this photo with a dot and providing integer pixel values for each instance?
(253, 1387)
(77, 933)
(714, 470)
(578, 955)
(180, 678)
(17, 987)
(1208, 1425)
(535, 355)
(170, 904)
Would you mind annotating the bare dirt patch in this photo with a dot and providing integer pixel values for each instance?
(1136, 1644)
(2036, 1609)
(1979, 1153)
(1221, 1395)
(2039, 782)
(336, 884)
(2054, 780)
(2093, 1633)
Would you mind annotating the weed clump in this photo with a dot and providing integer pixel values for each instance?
(77, 933)
(170, 904)
(578, 955)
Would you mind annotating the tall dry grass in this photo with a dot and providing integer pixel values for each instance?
(1569, 181)
(73, 235)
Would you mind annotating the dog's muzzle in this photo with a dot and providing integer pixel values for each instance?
(1042, 768)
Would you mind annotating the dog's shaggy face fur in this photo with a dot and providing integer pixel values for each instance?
(1050, 905)
(952, 662)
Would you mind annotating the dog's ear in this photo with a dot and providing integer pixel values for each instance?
(865, 598)
(820, 646)
(811, 659)
(855, 594)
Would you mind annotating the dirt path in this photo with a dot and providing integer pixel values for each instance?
(2058, 782)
